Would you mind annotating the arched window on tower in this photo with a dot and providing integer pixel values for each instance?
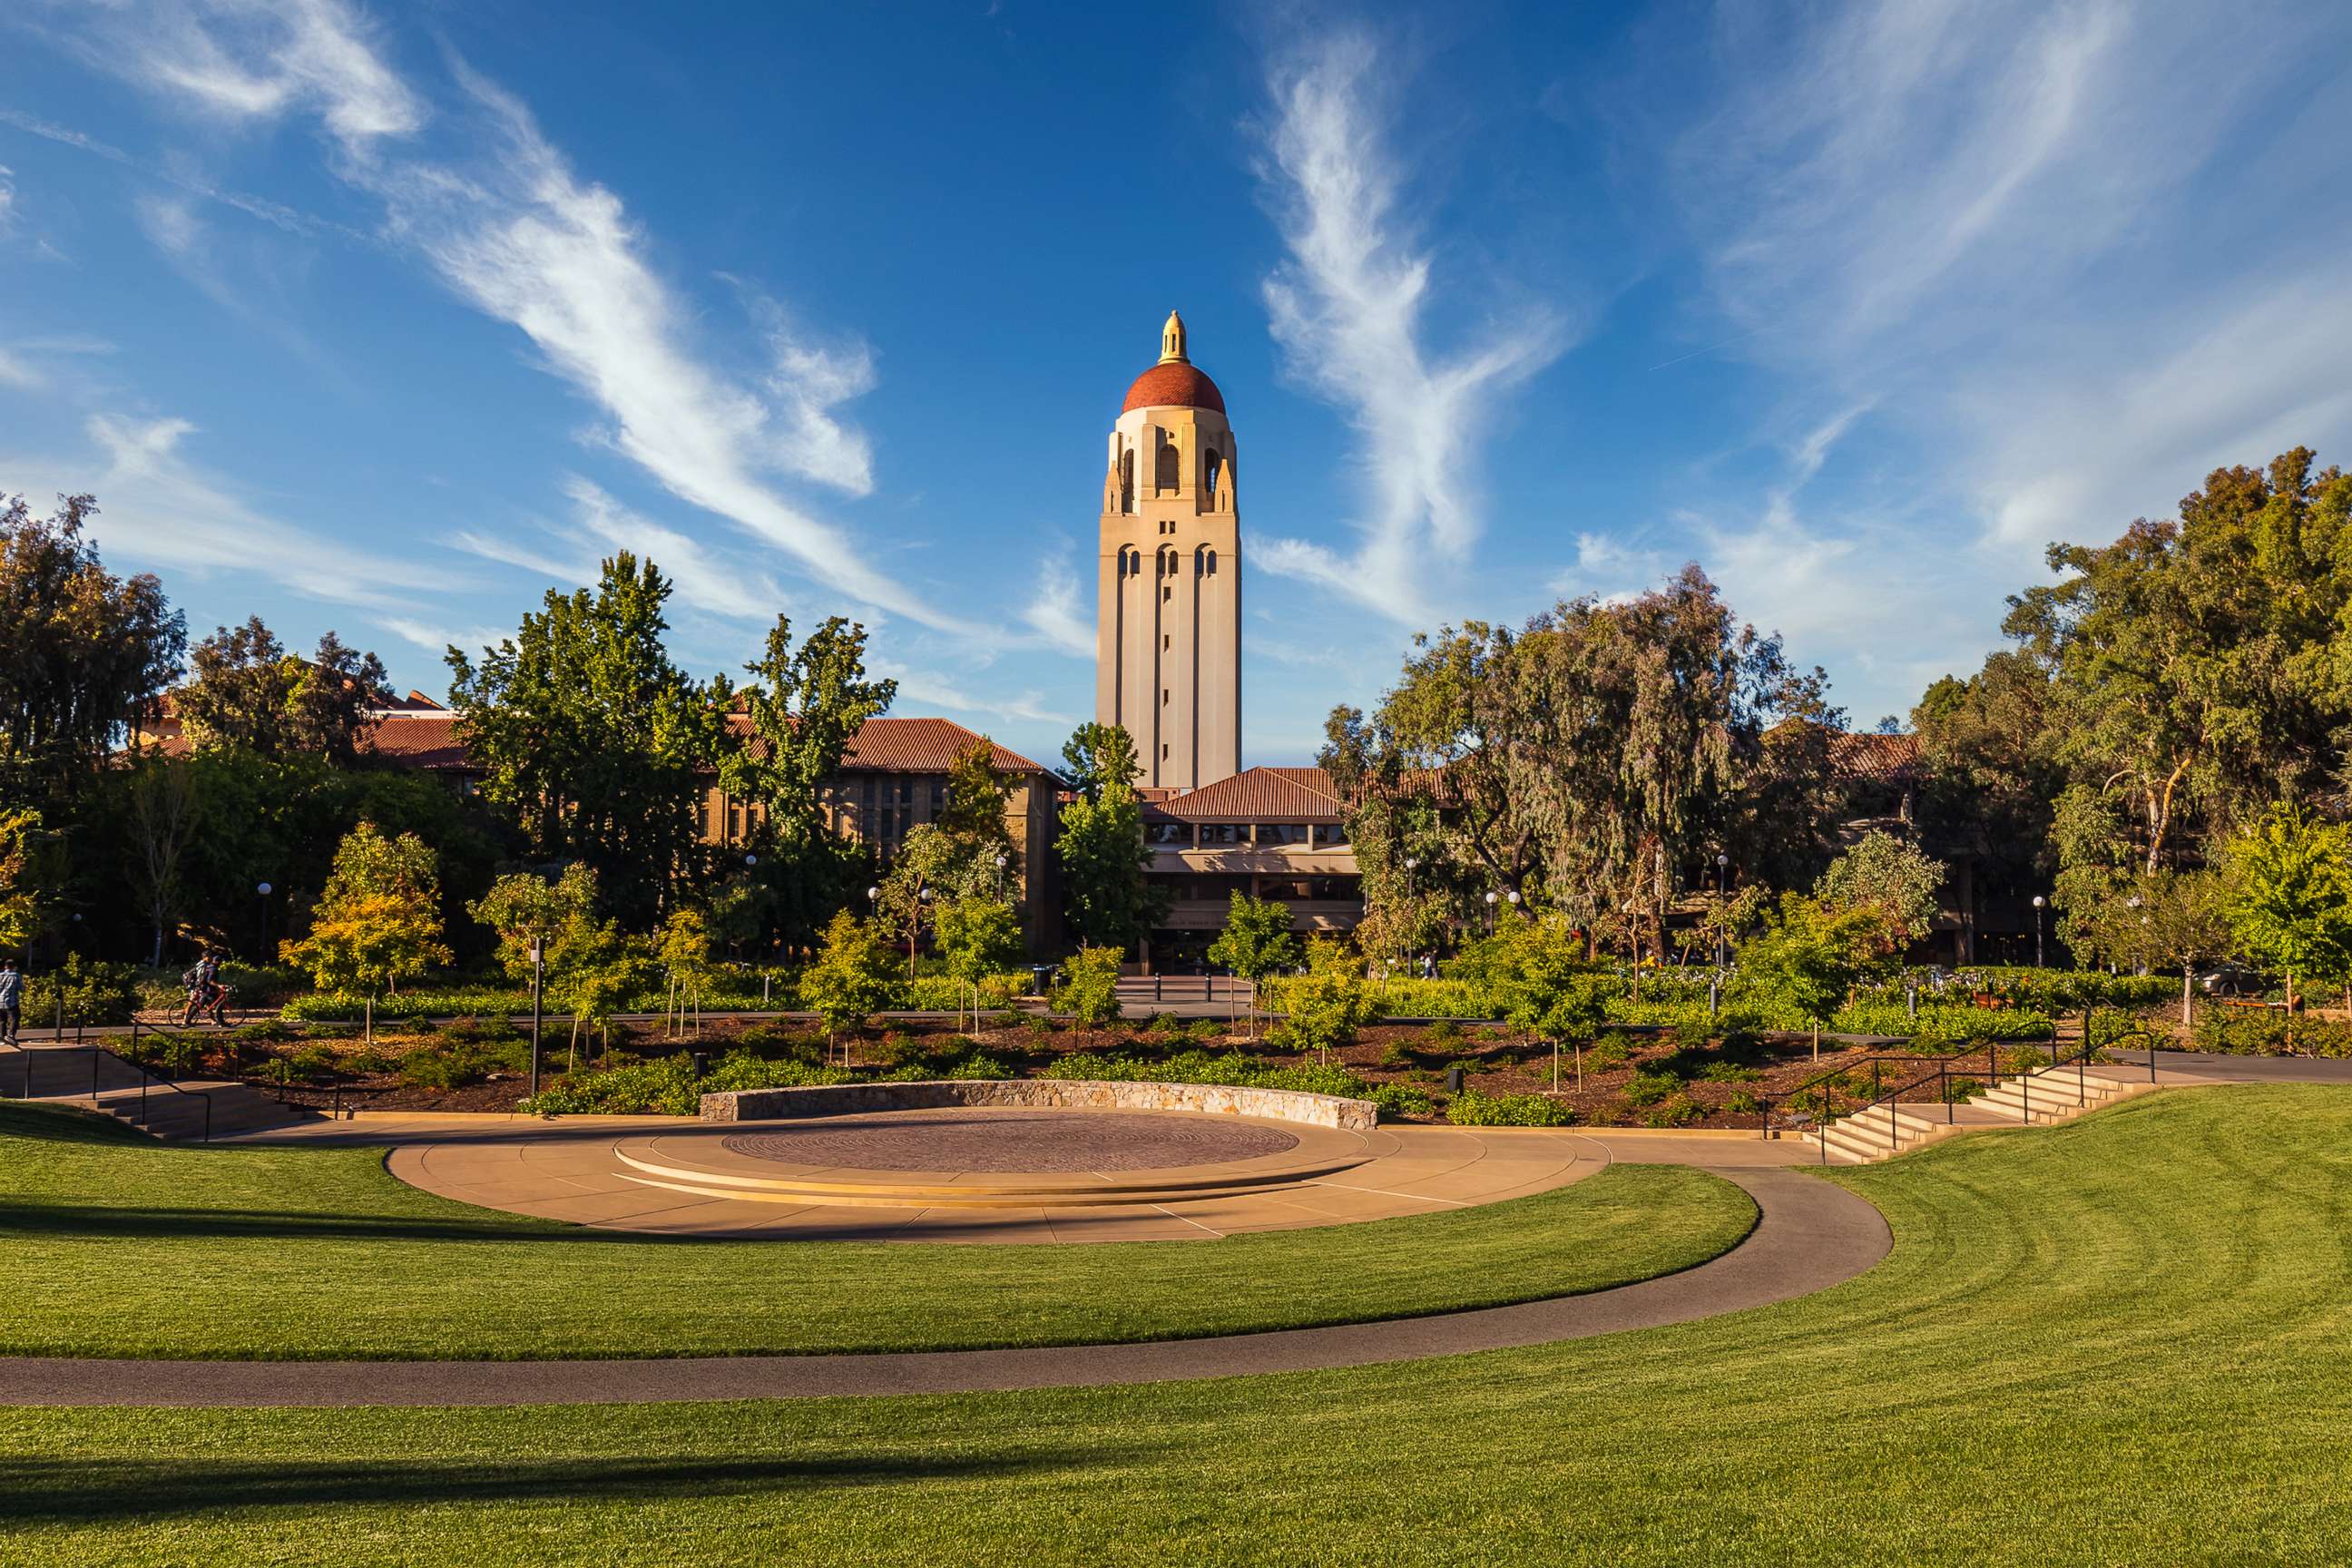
(1204, 562)
(1212, 464)
(1127, 480)
(1169, 466)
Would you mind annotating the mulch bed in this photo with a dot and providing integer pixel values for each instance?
(1495, 1060)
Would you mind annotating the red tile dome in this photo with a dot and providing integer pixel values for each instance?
(1174, 385)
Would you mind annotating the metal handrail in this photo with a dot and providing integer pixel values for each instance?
(146, 1079)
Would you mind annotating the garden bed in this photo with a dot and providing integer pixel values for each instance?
(1630, 1078)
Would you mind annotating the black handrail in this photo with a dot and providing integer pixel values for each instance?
(145, 1076)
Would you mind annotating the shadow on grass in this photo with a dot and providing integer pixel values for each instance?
(95, 1224)
(73, 1491)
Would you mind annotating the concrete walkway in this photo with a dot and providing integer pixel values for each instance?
(1813, 1235)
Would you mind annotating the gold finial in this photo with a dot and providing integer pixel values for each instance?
(1171, 339)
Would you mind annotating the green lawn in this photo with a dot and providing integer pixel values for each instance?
(111, 1246)
(2126, 1340)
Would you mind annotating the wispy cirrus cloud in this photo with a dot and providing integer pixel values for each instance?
(168, 510)
(1057, 612)
(513, 229)
(1349, 308)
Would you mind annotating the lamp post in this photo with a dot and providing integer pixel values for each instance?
(1000, 878)
(1490, 911)
(538, 986)
(1722, 890)
(261, 890)
(2039, 902)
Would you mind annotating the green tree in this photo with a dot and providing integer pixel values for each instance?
(978, 937)
(967, 851)
(20, 904)
(378, 920)
(1089, 989)
(1549, 990)
(803, 707)
(1813, 955)
(246, 692)
(854, 974)
(1896, 879)
(1098, 757)
(683, 945)
(2292, 909)
(2197, 666)
(1582, 757)
(1324, 1009)
(1108, 900)
(1255, 943)
(82, 653)
(593, 740)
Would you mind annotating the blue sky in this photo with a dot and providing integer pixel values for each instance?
(386, 318)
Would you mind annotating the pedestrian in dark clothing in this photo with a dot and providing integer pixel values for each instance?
(12, 998)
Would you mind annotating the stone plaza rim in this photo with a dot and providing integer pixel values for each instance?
(1060, 1094)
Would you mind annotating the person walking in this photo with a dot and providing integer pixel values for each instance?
(11, 998)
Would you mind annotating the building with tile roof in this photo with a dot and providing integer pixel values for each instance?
(1271, 833)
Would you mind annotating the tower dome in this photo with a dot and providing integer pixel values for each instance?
(1175, 382)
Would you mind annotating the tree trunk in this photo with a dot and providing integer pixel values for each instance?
(367, 1014)
(1817, 1044)
(2187, 974)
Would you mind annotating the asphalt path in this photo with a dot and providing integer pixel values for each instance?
(1811, 1235)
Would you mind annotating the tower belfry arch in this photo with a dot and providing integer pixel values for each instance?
(1168, 621)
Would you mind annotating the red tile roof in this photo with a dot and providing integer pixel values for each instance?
(883, 745)
(1254, 795)
(1886, 759)
(419, 740)
(1175, 384)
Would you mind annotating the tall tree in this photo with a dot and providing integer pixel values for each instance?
(1581, 759)
(82, 653)
(802, 709)
(1255, 944)
(1106, 897)
(2198, 667)
(163, 816)
(20, 904)
(246, 692)
(1098, 756)
(593, 740)
(1884, 874)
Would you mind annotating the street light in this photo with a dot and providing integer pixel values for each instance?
(2039, 901)
(1490, 911)
(262, 890)
(1722, 890)
(1000, 877)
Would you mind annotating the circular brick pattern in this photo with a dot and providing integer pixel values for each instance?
(1040, 1141)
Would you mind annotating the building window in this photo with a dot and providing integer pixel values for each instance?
(1163, 751)
(1204, 562)
(1213, 463)
(1280, 833)
(1127, 480)
(1167, 595)
(1330, 833)
(1222, 833)
(1169, 466)
(1168, 834)
(1167, 641)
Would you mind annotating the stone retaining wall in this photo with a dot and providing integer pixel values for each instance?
(841, 1098)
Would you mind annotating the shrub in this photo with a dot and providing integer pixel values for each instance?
(1610, 1053)
(1089, 989)
(93, 992)
(1470, 1109)
(1648, 1088)
(2245, 1031)
(777, 1043)
(1675, 1113)
(474, 1002)
(311, 1061)
(1445, 1032)
(1396, 1059)
(473, 1031)
(667, 1086)
(1744, 1102)
(455, 1066)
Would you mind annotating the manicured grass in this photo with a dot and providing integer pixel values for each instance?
(2125, 1340)
(131, 1249)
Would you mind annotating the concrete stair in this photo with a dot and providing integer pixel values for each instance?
(2038, 1099)
(189, 1111)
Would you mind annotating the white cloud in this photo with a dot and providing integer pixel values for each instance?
(15, 371)
(518, 235)
(162, 509)
(7, 198)
(1056, 615)
(171, 225)
(702, 579)
(35, 125)
(436, 639)
(1348, 307)
(940, 691)
(245, 60)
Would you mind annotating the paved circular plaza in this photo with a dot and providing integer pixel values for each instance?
(1008, 1142)
(966, 1174)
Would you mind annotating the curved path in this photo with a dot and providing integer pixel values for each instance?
(1812, 1234)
